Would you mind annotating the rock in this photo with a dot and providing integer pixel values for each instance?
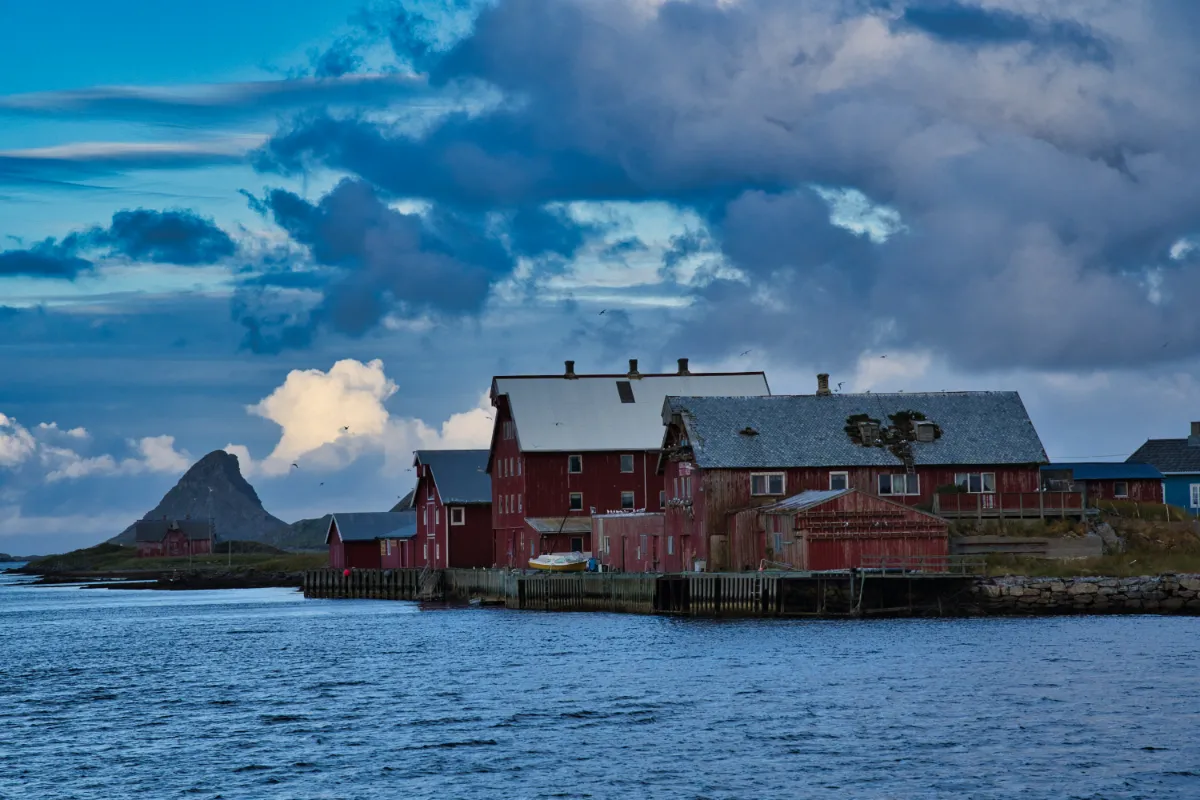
(1082, 588)
(1173, 603)
(1192, 583)
(1194, 603)
(989, 590)
(1112, 542)
(1058, 586)
(1014, 590)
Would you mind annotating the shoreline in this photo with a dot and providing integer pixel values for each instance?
(166, 580)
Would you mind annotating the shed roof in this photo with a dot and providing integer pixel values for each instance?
(366, 526)
(814, 498)
(1169, 455)
(461, 475)
(978, 428)
(587, 413)
(559, 525)
(406, 501)
(155, 530)
(1105, 471)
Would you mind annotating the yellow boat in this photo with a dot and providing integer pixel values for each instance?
(559, 562)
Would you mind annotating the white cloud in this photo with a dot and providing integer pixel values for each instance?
(16, 443)
(330, 419)
(890, 372)
(52, 428)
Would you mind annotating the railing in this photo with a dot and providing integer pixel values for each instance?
(1017, 505)
(954, 565)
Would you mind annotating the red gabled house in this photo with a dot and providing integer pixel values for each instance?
(173, 538)
(453, 500)
(565, 447)
(957, 454)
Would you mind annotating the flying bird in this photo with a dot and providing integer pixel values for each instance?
(322, 483)
(744, 353)
(601, 314)
(883, 356)
(295, 466)
(840, 385)
(1164, 347)
(345, 428)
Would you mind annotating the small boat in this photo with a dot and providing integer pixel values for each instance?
(559, 562)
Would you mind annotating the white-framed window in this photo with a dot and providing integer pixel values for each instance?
(425, 551)
(510, 467)
(458, 515)
(778, 543)
(437, 516)
(976, 482)
(766, 483)
(574, 464)
(676, 487)
(662, 498)
(839, 481)
(607, 547)
(519, 460)
(670, 545)
(519, 504)
(1195, 495)
(425, 517)
(508, 430)
(437, 551)
(626, 500)
(575, 501)
(899, 484)
(1121, 489)
(626, 463)
(387, 547)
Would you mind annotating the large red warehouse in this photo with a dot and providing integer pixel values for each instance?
(569, 446)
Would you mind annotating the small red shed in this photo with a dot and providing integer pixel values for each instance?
(173, 538)
(453, 499)
(634, 542)
(839, 529)
(371, 540)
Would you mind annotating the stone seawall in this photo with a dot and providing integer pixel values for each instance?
(1161, 594)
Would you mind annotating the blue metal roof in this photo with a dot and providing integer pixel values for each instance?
(1106, 471)
(978, 428)
(461, 475)
(367, 526)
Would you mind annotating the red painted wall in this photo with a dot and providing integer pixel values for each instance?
(174, 545)
(353, 555)
(1139, 491)
(459, 546)
(471, 543)
(636, 543)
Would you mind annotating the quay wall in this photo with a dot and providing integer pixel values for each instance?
(1158, 594)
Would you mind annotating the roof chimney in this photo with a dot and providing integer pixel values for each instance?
(1194, 439)
(823, 384)
(683, 370)
(633, 373)
(570, 373)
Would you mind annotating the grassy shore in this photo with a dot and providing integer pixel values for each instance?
(108, 558)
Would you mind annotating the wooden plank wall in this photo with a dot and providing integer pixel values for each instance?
(373, 584)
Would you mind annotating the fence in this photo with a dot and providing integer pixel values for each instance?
(952, 565)
(1009, 505)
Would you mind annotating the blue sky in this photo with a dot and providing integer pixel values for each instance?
(250, 225)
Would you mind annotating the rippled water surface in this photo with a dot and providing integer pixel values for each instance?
(262, 694)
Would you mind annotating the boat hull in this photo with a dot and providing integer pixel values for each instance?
(578, 567)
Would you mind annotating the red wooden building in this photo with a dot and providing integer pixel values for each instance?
(840, 529)
(453, 498)
(170, 538)
(372, 540)
(635, 542)
(567, 446)
(977, 450)
(1139, 483)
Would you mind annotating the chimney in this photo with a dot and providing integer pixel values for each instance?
(1194, 439)
(570, 373)
(633, 373)
(683, 370)
(823, 385)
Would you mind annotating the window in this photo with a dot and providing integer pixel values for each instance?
(519, 504)
(576, 544)
(425, 517)
(387, 547)
(607, 544)
(670, 545)
(458, 515)
(687, 487)
(766, 483)
(533, 546)
(627, 500)
(625, 390)
(576, 501)
(1195, 487)
(574, 464)
(676, 487)
(626, 463)
(900, 484)
(976, 482)
(425, 551)
(437, 515)
(510, 467)
(508, 430)
(1121, 489)
(519, 466)
(662, 499)
(839, 481)
(778, 543)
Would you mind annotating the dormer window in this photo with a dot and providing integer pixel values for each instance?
(924, 432)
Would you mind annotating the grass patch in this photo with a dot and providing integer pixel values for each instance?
(118, 558)
(1123, 565)
(1150, 512)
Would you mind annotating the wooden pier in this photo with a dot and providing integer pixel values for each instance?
(883, 591)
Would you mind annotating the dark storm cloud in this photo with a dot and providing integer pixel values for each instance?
(163, 237)
(974, 25)
(1039, 189)
(442, 262)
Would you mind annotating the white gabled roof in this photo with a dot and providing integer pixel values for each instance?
(586, 413)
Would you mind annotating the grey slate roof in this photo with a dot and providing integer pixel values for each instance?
(1105, 471)
(1168, 455)
(461, 475)
(155, 530)
(978, 428)
(367, 526)
(800, 502)
(586, 413)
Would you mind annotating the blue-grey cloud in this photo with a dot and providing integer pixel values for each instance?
(164, 237)
(975, 26)
(76, 166)
(1063, 173)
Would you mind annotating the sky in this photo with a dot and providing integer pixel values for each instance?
(311, 233)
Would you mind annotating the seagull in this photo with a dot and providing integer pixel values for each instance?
(883, 356)
(1164, 347)
(345, 428)
(295, 466)
(744, 353)
(601, 314)
(840, 385)
(322, 483)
